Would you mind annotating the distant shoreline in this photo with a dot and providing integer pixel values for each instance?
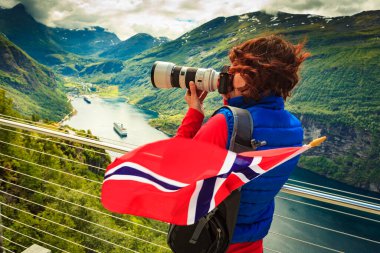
(68, 116)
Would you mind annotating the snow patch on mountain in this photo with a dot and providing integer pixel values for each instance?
(273, 18)
(243, 17)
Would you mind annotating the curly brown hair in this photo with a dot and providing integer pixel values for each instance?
(269, 65)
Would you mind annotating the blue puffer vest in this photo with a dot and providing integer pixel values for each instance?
(278, 128)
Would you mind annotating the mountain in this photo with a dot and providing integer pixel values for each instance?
(48, 45)
(85, 41)
(33, 37)
(33, 87)
(338, 94)
(133, 46)
(109, 66)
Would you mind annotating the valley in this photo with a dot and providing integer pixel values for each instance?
(338, 94)
(45, 72)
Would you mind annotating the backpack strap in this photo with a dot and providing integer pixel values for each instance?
(241, 137)
(185, 239)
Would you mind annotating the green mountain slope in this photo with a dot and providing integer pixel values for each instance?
(133, 46)
(344, 65)
(32, 86)
(23, 30)
(338, 95)
(85, 41)
(65, 196)
(108, 66)
(52, 46)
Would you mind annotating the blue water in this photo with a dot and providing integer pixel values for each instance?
(361, 227)
(100, 115)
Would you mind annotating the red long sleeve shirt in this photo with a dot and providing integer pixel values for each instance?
(213, 131)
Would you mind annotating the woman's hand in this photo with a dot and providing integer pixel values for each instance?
(194, 98)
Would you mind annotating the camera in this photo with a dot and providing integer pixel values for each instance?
(166, 75)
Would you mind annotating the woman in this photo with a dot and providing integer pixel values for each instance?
(265, 72)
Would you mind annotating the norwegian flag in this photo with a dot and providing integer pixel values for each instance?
(180, 180)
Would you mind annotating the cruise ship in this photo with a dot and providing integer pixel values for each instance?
(120, 129)
(87, 99)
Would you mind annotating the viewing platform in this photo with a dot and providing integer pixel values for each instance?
(73, 210)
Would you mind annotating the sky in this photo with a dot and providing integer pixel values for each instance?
(170, 18)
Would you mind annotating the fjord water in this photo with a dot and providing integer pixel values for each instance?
(100, 115)
(292, 217)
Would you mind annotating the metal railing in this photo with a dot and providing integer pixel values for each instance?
(295, 190)
(331, 203)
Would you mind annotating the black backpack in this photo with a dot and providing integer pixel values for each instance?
(213, 232)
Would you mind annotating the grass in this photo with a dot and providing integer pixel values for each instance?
(107, 91)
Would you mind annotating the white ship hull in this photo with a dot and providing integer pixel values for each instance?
(120, 129)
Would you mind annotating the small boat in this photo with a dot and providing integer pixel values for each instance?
(87, 99)
(120, 129)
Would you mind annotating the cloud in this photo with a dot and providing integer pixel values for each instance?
(8, 3)
(170, 18)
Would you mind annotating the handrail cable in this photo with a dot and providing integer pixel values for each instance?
(325, 197)
(7, 250)
(93, 223)
(44, 153)
(356, 205)
(329, 209)
(272, 250)
(80, 245)
(4, 204)
(334, 189)
(286, 187)
(50, 127)
(321, 227)
(30, 122)
(57, 142)
(64, 159)
(306, 242)
(328, 229)
(27, 236)
(22, 246)
(330, 193)
(65, 136)
(279, 197)
(87, 208)
(49, 168)
(73, 229)
(303, 222)
(103, 153)
(46, 181)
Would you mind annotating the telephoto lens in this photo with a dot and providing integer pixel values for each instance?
(166, 75)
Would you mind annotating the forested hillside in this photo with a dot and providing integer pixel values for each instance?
(34, 88)
(338, 95)
(38, 190)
